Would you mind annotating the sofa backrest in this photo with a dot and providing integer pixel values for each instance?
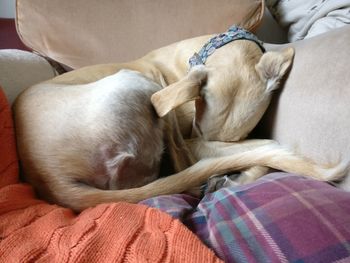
(85, 32)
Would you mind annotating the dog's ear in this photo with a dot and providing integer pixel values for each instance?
(178, 93)
(273, 66)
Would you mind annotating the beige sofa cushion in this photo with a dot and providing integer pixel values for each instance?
(84, 32)
(311, 114)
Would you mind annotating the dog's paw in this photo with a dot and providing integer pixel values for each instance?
(217, 182)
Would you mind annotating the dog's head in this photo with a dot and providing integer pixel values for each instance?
(230, 95)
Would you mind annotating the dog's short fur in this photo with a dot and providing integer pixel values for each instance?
(91, 131)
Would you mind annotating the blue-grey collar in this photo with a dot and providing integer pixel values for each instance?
(234, 33)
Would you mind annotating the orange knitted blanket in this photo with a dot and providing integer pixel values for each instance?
(34, 231)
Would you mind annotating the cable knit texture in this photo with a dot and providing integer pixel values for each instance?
(34, 231)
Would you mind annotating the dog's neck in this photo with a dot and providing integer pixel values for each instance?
(234, 33)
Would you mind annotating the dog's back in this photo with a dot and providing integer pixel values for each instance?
(109, 140)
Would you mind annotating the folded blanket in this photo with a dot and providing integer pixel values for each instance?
(305, 19)
(279, 218)
(34, 231)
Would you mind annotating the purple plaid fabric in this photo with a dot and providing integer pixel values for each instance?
(279, 218)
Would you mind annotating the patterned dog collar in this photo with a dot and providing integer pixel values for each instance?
(234, 33)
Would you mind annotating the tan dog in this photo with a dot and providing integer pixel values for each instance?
(90, 131)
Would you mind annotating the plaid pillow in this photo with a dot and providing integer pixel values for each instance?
(279, 218)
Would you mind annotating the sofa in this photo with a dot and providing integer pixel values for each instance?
(281, 217)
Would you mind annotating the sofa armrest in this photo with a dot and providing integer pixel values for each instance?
(20, 69)
(310, 113)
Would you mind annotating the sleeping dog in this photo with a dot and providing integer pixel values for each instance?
(92, 136)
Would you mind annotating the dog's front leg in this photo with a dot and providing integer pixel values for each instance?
(202, 149)
(206, 149)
